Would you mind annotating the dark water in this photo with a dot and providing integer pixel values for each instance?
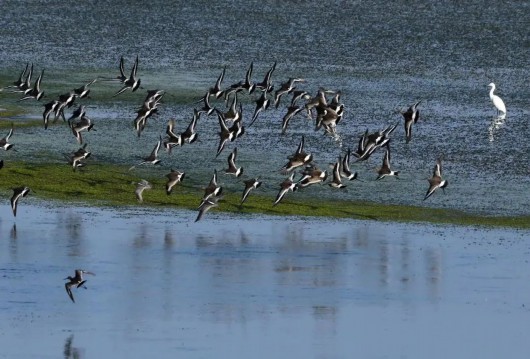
(258, 287)
(383, 57)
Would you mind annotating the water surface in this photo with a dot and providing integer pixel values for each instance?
(258, 287)
(383, 57)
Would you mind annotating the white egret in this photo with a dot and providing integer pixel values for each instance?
(497, 101)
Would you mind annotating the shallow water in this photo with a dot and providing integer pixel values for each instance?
(258, 287)
(383, 57)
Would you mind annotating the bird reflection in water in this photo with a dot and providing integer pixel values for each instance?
(496, 123)
(71, 352)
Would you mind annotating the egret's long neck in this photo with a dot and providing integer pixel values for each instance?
(491, 92)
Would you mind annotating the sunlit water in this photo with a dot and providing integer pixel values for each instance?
(383, 57)
(258, 287)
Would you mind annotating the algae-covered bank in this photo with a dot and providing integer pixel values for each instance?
(114, 186)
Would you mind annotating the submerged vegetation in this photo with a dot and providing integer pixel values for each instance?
(112, 185)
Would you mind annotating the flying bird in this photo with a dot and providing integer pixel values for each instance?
(18, 193)
(75, 281)
(436, 180)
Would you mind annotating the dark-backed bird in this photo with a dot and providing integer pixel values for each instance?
(266, 84)
(75, 281)
(287, 185)
(18, 193)
(205, 206)
(34, 92)
(312, 175)
(285, 88)
(345, 167)
(232, 168)
(84, 91)
(213, 189)
(216, 90)
(292, 111)
(436, 180)
(298, 159)
(336, 182)
(153, 157)
(225, 134)
(250, 184)
(4, 142)
(385, 170)
(173, 178)
(262, 103)
(132, 82)
(411, 116)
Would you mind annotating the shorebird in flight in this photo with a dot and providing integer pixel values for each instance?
(216, 90)
(337, 180)
(312, 175)
(83, 91)
(250, 184)
(34, 92)
(299, 158)
(287, 185)
(140, 188)
(232, 168)
(205, 206)
(411, 116)
(436, 180)
(132, 82)
(153, 157)
(75, 281)
(4, 142)
(385, 170)
(345, 170)
(18, 193)
(173, 178)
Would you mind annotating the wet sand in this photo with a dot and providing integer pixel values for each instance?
(258, 287)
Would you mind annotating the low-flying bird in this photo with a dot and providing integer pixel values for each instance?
(153, 157)
(75, 281)
(140, 188)
(18, 193)
(250, 184)
(205, 206)
(337, 180)
(83, 91)
(232, 168)
(213, 189)
(385, 170)
(132, 82)
(173, 178)
(312, 175)
(345, 170)
(216, 90)
(34, 92)
(436, 180)
(299, 158)
(411, 116)
(287, 185)
(4, 142)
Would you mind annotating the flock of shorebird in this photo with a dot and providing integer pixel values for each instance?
(324, 109)
(326, 113)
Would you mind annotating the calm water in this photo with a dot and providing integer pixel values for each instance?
(258, 287)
